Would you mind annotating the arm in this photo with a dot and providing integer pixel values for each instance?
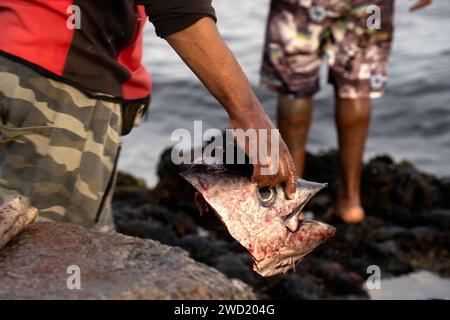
(204, 51)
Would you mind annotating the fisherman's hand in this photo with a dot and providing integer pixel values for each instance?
(273, 164)
(202, 48)
(420, 4)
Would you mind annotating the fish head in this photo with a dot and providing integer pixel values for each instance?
(267, 223)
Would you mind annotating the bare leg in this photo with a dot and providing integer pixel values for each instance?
(294, 119)
(352, 122)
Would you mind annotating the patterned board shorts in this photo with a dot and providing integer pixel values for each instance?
(347, 33)
(58, 147)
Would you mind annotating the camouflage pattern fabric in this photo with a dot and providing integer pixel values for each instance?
(58, 147)
(301, 32)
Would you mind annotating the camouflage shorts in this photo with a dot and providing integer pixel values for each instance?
(58, 147)
(301, 32)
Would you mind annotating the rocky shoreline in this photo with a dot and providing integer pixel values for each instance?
(407, 228)
(51, 260)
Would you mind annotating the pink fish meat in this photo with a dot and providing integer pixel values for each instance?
(271, 227)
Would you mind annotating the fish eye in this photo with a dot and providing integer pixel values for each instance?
(267, 195)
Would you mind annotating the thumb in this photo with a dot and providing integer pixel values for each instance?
(291, 186)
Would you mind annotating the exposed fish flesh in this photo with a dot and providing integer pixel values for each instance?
(270, 226)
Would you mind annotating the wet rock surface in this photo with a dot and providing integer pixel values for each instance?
(406, 229)
(34, 265)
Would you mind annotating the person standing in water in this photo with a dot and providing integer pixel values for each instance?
(355, 37)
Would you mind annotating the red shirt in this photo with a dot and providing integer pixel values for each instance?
(103, 56)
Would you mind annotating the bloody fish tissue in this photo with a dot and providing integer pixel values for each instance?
(270, 226)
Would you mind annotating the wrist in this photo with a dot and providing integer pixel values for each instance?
(251, 120)
(253, 116)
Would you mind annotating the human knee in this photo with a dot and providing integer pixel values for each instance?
(294, 109)
(354, 111)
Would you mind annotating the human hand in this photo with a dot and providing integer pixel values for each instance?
(273, 164)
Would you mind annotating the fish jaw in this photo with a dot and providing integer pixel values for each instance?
(311, 234)
(294, 248)
(305, 191)
(309, 186)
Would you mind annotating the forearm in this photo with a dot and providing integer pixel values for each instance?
(203, 50)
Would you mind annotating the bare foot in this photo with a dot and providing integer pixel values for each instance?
(347, 208)
(351, 215)
(15, 215)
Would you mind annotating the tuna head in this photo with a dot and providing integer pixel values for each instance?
(271, 227)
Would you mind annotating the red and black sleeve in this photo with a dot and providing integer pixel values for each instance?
(171, 16)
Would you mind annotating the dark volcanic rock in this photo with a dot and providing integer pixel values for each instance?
(407, 228)
(237, 266)
(113, 266)
(337, 279)
(295, 286)
(398, 190)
